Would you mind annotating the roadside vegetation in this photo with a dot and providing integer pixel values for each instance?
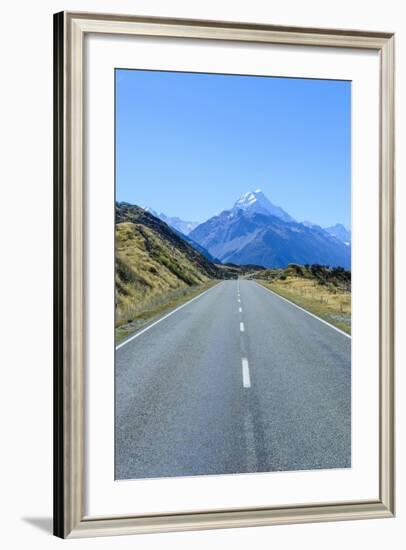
(322, 290)
(152, 276)
(144, 312)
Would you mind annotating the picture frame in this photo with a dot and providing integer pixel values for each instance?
(70, 517)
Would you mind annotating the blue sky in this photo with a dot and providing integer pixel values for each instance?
(190, 144)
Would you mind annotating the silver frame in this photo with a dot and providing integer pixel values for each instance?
(69, 517)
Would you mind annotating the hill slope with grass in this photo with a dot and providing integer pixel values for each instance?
(155, 268)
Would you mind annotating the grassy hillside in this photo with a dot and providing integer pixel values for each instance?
(324, 291)
(156, 269)
(134, 214)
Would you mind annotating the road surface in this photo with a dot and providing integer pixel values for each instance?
(237, 380)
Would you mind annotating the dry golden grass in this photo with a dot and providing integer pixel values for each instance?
(326, 301)
(152, 277)
(164, 304)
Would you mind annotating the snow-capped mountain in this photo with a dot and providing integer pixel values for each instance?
(340, 232)
(254, 231)
(256, 201)
(183, 226)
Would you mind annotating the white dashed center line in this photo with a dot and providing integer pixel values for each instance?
(246, 381)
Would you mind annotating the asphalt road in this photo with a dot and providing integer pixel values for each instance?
(238, 380)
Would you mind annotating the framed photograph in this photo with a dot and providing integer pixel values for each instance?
(224, 274)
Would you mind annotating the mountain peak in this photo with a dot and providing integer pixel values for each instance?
(250, 196)
(256, 201)
(339, 231)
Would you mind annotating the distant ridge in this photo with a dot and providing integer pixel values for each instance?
(183, 226)
(340, 232)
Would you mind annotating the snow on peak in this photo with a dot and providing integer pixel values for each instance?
(256, 201)
(250, 198)
(246, 197)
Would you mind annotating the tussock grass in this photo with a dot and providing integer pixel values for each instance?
(143, 313)
(152, 276)
(331, 304)
(324, 291)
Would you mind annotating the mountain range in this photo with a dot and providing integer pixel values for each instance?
(175, 222)
(255, 231)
